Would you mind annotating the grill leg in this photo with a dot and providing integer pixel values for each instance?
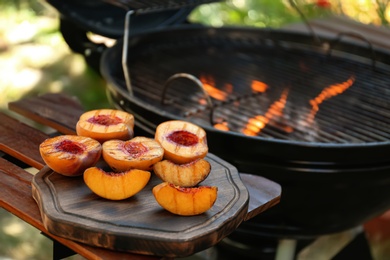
(60, 251)
(286, 249)
(328, 246)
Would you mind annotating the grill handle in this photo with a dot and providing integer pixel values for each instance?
(140, 7)
(125, 49)
(357, 36)
(197, 82)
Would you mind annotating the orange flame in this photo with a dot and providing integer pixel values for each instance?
(222, 126)
(327, 93)
(209, 86)
(258, 86)
(257, 123)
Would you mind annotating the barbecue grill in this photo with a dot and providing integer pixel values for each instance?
(311, 113)
(333, 153)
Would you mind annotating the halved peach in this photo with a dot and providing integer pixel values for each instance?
(115, 185)
(106, 124)
(137, 153)
(182, 141)
(185, 201)
(70, 155)
(184, 175)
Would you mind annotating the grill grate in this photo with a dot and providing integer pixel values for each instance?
(354, 109)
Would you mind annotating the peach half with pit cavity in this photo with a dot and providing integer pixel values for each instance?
(70, 155)
(182, 141)
(137, 153)
(106, 124)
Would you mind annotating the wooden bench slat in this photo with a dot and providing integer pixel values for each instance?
(21, 141)
(44, 110)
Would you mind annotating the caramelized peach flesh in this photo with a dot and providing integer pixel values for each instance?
(184, 175)
(70, 155)
(137, 153)
(106, 124)
(183, 201)
(182, 141)
(115, 185)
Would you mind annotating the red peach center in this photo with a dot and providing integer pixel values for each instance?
(104, 120)
(184, 138)
(135, 149)
(70, 147)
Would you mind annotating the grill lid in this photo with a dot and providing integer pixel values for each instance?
(107, 18)
(141, 6)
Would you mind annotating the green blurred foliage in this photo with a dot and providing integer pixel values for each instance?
(257, 13)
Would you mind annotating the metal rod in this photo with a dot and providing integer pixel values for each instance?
(358, 36)
(125, 52)
(197, 83)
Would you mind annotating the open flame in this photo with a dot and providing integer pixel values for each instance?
(222, 126)
(258, 86)
(208, 83)
(209, 86)
(222, 95)
(327, 93)
(257, 123)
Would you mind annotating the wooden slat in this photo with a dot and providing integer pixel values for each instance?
(21, 141)
(59, 111)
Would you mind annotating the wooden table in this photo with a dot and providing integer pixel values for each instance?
(19, 144)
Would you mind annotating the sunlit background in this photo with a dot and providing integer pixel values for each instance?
(34, 59)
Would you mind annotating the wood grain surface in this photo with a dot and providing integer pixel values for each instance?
(138, 224)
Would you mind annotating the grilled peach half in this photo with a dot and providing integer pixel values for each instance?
(115, 185)
(137, 153)
(70, 155)
(184, 175)
(106, 124)
(182, 141)
(184, 201)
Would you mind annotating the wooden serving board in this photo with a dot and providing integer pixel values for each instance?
(69, 209)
